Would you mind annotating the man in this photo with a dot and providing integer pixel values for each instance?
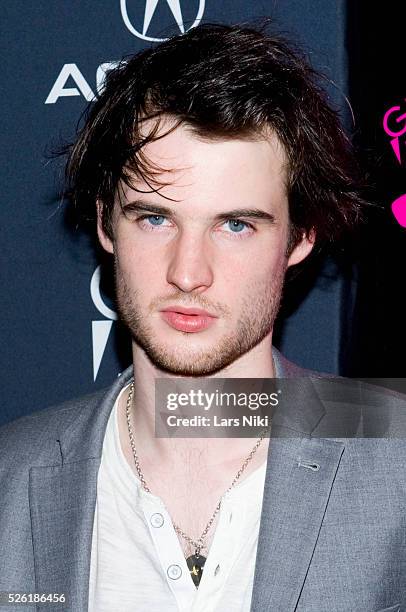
(210, 164)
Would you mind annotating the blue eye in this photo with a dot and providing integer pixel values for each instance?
(155, 219)
(237, 225)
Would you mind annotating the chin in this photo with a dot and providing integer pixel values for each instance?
(187, 363)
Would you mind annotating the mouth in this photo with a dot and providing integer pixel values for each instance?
(190, 320)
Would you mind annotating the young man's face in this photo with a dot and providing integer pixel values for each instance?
(202, 253)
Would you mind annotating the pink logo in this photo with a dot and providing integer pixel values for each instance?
(391, 121)
(399, 210)
(394, 134)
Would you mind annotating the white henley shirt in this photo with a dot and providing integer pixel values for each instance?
(137, 563)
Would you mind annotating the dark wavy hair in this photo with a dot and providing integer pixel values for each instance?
(222, 82)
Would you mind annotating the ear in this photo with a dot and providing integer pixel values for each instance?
(302, 249)
(104, 240)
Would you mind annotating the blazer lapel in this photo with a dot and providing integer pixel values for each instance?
(299, 477)
(295, 499)
(62, 500)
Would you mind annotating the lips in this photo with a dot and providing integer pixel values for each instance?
(188, 311)
(190, 320)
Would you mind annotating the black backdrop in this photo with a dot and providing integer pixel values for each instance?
(59, 338)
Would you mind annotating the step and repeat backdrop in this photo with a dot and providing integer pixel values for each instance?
(59, 333)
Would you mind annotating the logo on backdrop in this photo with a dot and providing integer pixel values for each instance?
(70, 74)
(100, 328)
(71, 82)
(143, 29)
(394, 124)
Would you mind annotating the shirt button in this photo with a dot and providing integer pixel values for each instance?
(216, 571)
(157, 520)
(174, 572)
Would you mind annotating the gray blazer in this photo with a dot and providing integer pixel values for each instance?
(333, 525)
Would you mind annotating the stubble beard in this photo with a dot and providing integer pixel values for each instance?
(258, 313)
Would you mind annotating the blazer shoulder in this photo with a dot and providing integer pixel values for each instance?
(27, 439)
(289, 369)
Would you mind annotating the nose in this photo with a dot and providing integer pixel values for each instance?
(189, 268)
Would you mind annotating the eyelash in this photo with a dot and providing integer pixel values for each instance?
(237, 234)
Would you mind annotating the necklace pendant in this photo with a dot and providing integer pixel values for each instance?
(195, 564)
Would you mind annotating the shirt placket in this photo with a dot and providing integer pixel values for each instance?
(224, 549)
(169, 552)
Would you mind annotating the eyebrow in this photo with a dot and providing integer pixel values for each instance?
(235, 213)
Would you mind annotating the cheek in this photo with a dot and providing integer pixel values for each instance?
(137, 265)
(258, 267)
(251, 283)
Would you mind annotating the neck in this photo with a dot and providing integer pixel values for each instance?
(213, 452)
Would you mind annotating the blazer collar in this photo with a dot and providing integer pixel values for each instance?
(83, 438)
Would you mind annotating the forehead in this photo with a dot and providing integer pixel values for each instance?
(191, 167)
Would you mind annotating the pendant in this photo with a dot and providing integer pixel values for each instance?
(195, 564)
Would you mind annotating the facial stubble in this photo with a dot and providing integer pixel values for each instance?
(259, 309)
